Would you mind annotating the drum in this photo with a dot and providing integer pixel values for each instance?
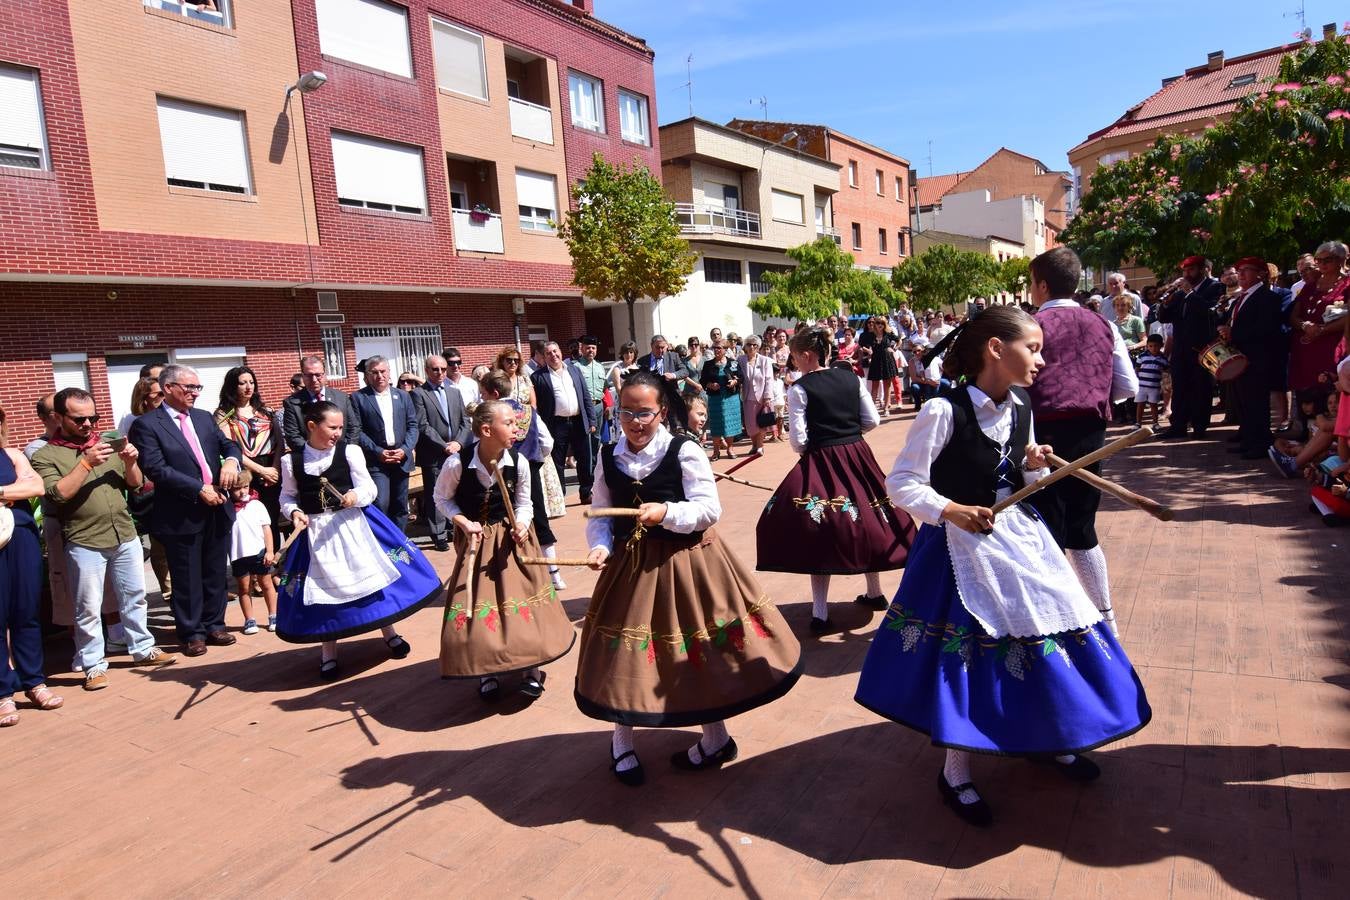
(1223, 361)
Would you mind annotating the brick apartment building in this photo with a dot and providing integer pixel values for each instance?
(167, 199)
(1005, 175)
(872, 207)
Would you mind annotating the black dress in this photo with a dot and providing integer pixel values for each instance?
(882, 366)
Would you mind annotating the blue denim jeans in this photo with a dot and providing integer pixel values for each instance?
(124, 566)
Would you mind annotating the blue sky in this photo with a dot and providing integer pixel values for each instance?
(1033, 75)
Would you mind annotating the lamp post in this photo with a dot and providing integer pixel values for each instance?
(305, 84)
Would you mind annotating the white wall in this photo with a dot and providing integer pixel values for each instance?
(973, 213)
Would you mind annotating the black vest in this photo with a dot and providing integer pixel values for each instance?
(484, 505)
(833, 408)
(664, 485)
(309, 489)
(967, 469)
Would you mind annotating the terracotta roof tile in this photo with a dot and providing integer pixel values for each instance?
(934, 188)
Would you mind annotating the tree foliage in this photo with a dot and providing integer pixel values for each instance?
(823, 280)
(944, 274)
(623, 238)
(1014, 275)
(1271, 181)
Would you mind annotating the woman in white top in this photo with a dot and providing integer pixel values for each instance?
(756, 392)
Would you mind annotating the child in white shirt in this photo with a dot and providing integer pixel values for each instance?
(252, 553)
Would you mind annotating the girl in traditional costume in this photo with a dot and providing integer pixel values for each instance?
(678, 633)
(831, 515)
(991, 645)
(501, 616)
(352, 570)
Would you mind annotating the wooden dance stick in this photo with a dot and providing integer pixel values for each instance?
(604, 512)
(1129, 440)
(286, 545)
(1152, 507)
(474, 540)
(746, 482)
(508, 499)
(560, 561)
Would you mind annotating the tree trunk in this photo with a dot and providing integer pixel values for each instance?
(632, 321)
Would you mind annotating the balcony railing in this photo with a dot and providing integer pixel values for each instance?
(759, 288)
(217, 16)
(531, 121)
(700, 218)
(477, 237)
(830, 230)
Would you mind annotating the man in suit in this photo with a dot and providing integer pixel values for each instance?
(667, 363)
(315, 389)
(388, 434)
(181, 451)
(442, 430)
(562, 402)
(1253, 328)
(1188, 306)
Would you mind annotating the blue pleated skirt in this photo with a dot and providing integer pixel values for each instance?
(931, 667)
(417, 585)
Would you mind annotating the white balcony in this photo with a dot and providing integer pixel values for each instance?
(830, 231)
(705, 218)
(217, 16)
(531, 121)
(477, 237)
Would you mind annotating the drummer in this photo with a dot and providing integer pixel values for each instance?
(1187, 304)
(1087, 370)
(1253, 329)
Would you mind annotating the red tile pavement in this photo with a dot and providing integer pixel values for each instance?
(239, 774)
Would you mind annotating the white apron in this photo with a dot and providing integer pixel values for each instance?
(345, 561)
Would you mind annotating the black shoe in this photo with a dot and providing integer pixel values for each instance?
(398, 647)
(1173, 434)
(877, 602)
(977, 813)
(716, 760)
(533, 687)
(1081, 769)
(821, 626)
(328, 669)
(585, 499)
(489, 691)
(441, 545)
(633, 777)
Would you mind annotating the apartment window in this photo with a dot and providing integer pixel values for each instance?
(633, 118)
(191, 10)
(367, 32)
(788, 207)
(204, 147)
(721, 271)
(852, 173)
(899, 188)
(460, 65)
(880, 180)
(406, 346)
(857, 236)
(881, 241)
(70, 370)
(379, 174)
(900, 244)
(587, 96)
(537, 197)
(334, 356)
(1115, 156)
(23, 143)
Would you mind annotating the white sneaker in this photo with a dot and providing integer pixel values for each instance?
(558, 583)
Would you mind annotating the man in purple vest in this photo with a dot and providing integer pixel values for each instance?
(1087, 368)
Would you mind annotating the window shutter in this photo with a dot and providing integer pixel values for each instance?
(459, 60)
(537, 190)
(203, 144)
(787, 207)
(368, 32)
(21, 125)
(379, 172)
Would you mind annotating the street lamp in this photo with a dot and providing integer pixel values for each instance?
(305, 84)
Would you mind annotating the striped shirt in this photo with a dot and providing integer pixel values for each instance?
(1151, 369)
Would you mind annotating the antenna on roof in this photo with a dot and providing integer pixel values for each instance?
(930, 157)
(1302, 15)
(763, 103)
(689, 71)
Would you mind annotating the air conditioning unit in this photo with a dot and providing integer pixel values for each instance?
(330, 318)
(327, 301)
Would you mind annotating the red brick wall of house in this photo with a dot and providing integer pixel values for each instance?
(862, 203)
(1007, 174)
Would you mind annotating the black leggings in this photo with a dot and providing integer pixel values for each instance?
(542, 530)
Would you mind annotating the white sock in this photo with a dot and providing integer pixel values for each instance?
(1090, 567)
(957, 771)
(620, 744)
(550, 551)
(820, 595)
(327, 651)
(714, 738)
(554, 573)
(873, 584)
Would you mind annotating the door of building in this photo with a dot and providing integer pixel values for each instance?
(124, 370)
(376, 341)
(211, 364)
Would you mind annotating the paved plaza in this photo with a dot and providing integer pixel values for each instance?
(240, 775)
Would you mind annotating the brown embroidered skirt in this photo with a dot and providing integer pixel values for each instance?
(684, 636)
(516, 620)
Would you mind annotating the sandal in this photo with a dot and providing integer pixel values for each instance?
(489, 689)
(9, 713)
(43, 698)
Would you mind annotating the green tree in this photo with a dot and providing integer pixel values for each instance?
(823, 280)
(1014, 275)
(1270, 181)
(623, 238)
(943, 274)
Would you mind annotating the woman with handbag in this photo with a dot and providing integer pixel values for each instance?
(721, 379)
(756, 394)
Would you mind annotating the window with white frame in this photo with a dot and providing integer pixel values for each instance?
(537, 197)
(379, 174)
(367, 32)
(852, 173)
(70, 370)
(460, 61)
(899, 188)
(204, 147)
(196, 9)
(633, 118)
(881, 241)
(1115, 156)
(787, 207)
(334, 355)
(587, 98)
(857, 236)
(880, 180)
(23, 141)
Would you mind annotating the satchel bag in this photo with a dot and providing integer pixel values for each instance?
(766, 418)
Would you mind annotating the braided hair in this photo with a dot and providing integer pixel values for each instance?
(817, 339)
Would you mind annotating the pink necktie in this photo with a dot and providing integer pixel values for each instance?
(191, 437)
